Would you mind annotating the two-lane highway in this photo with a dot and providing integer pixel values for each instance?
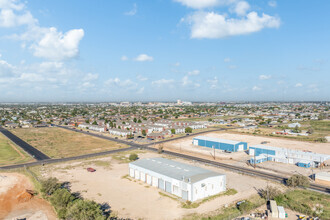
(35, 153)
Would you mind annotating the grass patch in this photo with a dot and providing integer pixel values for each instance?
(192, 205)
(59, 143)
(306, 202)
(123, 157)
(230, 212)
(12, 154)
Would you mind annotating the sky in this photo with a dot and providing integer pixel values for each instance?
(164, 50)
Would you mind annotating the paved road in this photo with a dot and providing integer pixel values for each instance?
(38, 155)
(251, 172)
(49, 161)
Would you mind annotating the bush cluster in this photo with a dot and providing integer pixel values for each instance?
(70, 206)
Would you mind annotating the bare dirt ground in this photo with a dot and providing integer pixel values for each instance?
(240, 158)
(15, 203)
(135, 199)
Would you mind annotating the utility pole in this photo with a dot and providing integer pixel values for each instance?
(254, 158)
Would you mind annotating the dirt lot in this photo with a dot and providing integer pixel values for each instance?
(16, 203)
(58, 142)
(134, 199)
(241, 158)
(323, 148)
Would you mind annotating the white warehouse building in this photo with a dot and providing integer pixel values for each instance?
(183, 180)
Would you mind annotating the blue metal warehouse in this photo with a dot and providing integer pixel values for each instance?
(220, 144)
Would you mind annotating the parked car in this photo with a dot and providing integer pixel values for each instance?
(89, 169)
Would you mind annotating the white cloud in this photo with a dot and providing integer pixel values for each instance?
(90, 77)
(256, 88)
(177, 64)
(213, 82)
(6, 69)
(55, 45)
(232, 67)
(199, 4)
(143, 57)
(124, 58)
(9, 19)
(116, 81)
(272, 4)
(140, 91)
(142, 78)
(212, 25)
(11, 4)
(298, 85)
(265, 77)
(194, 73)
(241, 8)
(161, 82)
(227, 60)
(189, 83)
(133, 11)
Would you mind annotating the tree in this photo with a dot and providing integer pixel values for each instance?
(160, 149)
(144, 133)
(133, 157)
(60, 199)
(87, 121)
(188, 130)
(139, 121)
(50, 185)
(310, 131)
(298, 180)
(210, 119)
(94, 123)
(269, 193)
(135, 120)
(296, 129)
(84, 210)
(245, 206)
(173, 131)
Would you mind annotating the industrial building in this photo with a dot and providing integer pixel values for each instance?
(183, 180)
(263, 153)
(322, 178)
(221, 144)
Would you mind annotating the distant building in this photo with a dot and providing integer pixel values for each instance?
(293, 125)
(284, 155)
(183, 180)
(221, 144)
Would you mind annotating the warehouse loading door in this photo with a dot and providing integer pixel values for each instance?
(131, 172)
(184, 195)
(240, 147)
(168, 187)
(154, 181)
(251, 152)
(195, 142)
(161, 184)
(149, 179)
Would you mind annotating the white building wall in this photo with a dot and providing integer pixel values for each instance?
(208, 187)
(218, 182)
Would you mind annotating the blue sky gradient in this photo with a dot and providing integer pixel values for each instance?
(163, 50)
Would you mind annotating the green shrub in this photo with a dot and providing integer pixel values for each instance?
(84, 210)
(50, 185)
(298, 180)
(133, 157)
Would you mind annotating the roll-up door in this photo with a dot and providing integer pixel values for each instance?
(168, 187)
(161, 184)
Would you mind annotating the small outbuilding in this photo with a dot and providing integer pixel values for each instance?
(185, 181)
(221, 144)
(304, 163)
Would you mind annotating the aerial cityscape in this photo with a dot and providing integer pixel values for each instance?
(170, 109)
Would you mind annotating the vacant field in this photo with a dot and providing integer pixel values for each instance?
(129, 198)
(11, 154)
(59, 143)
(307, 202)
(321, 129)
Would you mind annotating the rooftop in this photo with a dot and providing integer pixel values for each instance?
(217, 140)
(175, 170)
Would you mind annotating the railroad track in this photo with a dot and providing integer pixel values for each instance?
(242, 170)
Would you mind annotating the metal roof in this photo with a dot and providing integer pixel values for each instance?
(217, 140)
(287, 150)
(175, 170)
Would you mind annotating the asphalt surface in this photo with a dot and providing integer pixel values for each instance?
(242, 170)
(49, 161)
(38, 155)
